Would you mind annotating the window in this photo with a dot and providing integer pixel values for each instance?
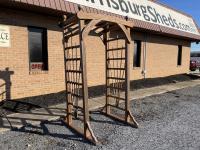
(38, 54)
(137, 54)
(179, 61)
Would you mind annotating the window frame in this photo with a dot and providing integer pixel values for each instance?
(45, 59)
(139, 55)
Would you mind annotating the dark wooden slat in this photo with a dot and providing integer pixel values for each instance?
(71, 82)
(73, 59)
(116, 68)
(73, 71)
(122, 58)
(70, 30)
(116, 49)
(118, 118)
(116, 107)
(115, 78)
(71, 35)
(72, 47)
(78, 107)
(116, 97)
(2, 85)
(2, 93)
(69, 24)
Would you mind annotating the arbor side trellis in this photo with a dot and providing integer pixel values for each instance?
(75, 31)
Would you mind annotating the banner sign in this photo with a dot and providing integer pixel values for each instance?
(144, 10)
(4, 36)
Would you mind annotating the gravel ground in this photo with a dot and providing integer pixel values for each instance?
(167, 121)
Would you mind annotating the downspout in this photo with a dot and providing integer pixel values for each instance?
(144, 71)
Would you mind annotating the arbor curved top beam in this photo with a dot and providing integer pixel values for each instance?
(89, 27)
(94, 22)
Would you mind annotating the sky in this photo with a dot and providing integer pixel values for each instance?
(191, 7)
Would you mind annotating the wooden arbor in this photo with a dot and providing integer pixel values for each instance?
(117, 49)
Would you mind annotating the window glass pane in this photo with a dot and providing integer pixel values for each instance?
(137, 54)
(35, 45)
(179, 55)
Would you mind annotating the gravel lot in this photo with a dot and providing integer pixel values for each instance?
(168, 121)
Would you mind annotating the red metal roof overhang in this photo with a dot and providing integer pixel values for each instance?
(60, 7)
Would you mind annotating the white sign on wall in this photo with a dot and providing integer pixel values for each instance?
(4, 36)
(144, 10)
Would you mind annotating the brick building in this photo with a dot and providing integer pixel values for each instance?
(32, 58)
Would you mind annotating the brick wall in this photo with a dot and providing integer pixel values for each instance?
(161, 59)
(16, 58)
(161, 56)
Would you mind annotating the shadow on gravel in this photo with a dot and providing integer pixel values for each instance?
(11, 106)
(98, 114)
(59, 130)
(25, 113)
(8, 107)
(44, 129)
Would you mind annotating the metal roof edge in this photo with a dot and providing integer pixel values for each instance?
(68, 7)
